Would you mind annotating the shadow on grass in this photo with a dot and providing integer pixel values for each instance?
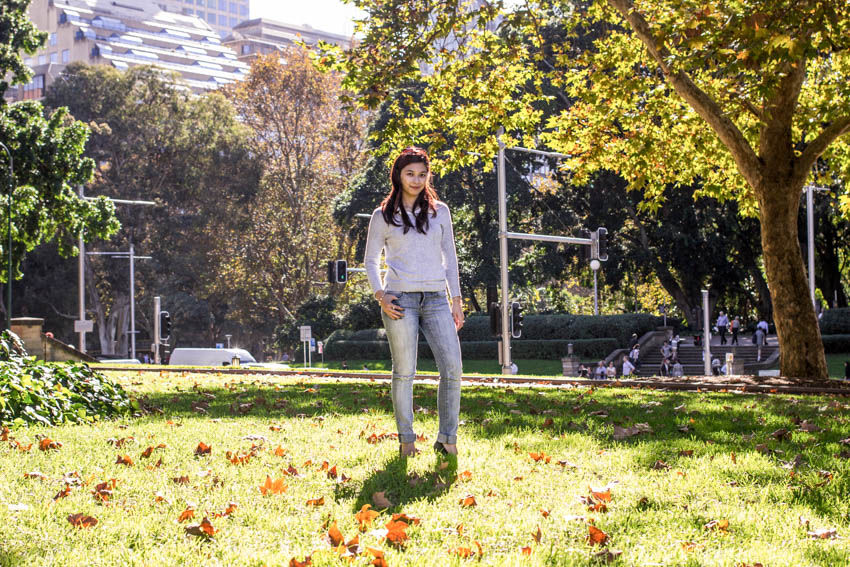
(401, 488)
(713, 423)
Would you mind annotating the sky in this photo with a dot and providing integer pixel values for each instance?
(325, 15)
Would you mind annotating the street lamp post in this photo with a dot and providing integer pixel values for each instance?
(9, 228)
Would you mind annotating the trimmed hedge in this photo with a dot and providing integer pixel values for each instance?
(478, 350)
(836, 343)
(571, 327)
(835, 321)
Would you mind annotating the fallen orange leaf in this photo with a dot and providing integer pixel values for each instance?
(47, 444)
(202, 449)
(464, 476)
(273, 487)
(537, 535)
(396, 533)
(365, 517)
(379, 560)
(231, 508)
(541, 456)
(295, 563)
(125, 460)
(334, 535)
(526, 550)
(279, 452)
(187, 514)
(316, 502)
(82, 521)
(596, 536)
(204, 529)
(180, 479)
(63, 493)
(468, 501)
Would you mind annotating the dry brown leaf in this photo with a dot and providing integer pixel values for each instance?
(824, 533)
(316, 502)
(82, 521)
(468, 501)
(378, 560)
(526, 550)
(202, 449)
(380, 500)
(231, 508)
(365, 517)
(204, 529)
(63, 493)
(537, 535)
(187, 514)
(124, 460)
(180, 479)
(35, 474)
(48, 444)
(608, 555)
(541, 456)
(595, 536)
(279, 452)
(464, 476)
(396, 532)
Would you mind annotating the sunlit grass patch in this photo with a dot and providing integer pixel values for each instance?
(692, 478)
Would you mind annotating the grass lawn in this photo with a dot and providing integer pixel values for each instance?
(713, 483)
(536, 367)
(835, 362)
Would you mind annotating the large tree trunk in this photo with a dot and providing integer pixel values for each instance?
(801, 354)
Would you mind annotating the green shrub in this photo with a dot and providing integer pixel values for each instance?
(52, 393)
(835, 321)
(836, 343)
(358, 350)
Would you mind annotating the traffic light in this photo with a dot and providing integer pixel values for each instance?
(337, 271)
(164, 325)
(516, 319)
(496, 320)
(341, 271)
(602, 243)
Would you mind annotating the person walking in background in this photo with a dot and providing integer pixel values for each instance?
(414, 231)
(763, 326)
(760, 338)
(628, 367)
(635, 356)
(722, 323)
(736, 326)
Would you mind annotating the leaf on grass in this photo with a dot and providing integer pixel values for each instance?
(156, 465)
(378, 555)
(718, 525)
(238, 459)
(202, 449)
(334, 535)
(4, 434)
(160, 497)
(660, 465)
(187, 514)
(103, 491)
(315, 502)
(273, 487)
(365, 517)
(544, 512)
(823, 533)
(468, 501)
(380, 500)
(621, 433)
(181, 479)
(464, 476)
(295, 563)
(291, 471)
(147, 452)
(204, 529)
(547, 423)
(118, 443)
(82, 521)
(686, 453)
(537, 535)
(402, 517)
(62, 493)
(279, 452)
(124, 460)
(36, 474)
(396, 532)
(781, 435)
(809, 427)
(48, 444)
(231, 508)
(691, 546)
(526, 550)
(541, 456)
(462, 552)
(595, 536)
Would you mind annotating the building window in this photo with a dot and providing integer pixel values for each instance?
(246, 49)
(243, 10)
(54, 57)
(233, 21)
(222, 20)
(28, 61)
(66, 55)
(53, 39)
(42, 59)
(200, 2)
(222, 5)
(200, 14)
(211, 18)
(211, 4)
(232, 8)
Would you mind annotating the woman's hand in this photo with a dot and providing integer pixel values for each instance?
(392, 310)
(457, 312)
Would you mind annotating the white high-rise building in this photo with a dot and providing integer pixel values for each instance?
(123, 34)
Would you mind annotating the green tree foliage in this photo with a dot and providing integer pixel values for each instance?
(744, 97)
(153, 140)
(48, 157)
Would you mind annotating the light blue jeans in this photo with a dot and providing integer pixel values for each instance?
(429, 311)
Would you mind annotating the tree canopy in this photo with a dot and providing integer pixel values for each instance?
(743, 97)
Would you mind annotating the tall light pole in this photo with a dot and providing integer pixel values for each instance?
(810, 225)
(9, 229)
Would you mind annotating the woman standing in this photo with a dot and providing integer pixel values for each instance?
(414, 230)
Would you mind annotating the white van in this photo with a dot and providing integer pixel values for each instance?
(209, 356)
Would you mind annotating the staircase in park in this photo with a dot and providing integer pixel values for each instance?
(691, 357)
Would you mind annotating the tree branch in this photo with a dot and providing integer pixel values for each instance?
(817, 146)
(748, 162)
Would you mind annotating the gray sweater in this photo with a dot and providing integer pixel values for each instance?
(415, 261)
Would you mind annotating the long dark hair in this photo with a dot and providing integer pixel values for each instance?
(426, 201)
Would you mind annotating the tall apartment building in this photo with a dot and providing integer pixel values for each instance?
(123, 34)
(221, 15)
(261, 36)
